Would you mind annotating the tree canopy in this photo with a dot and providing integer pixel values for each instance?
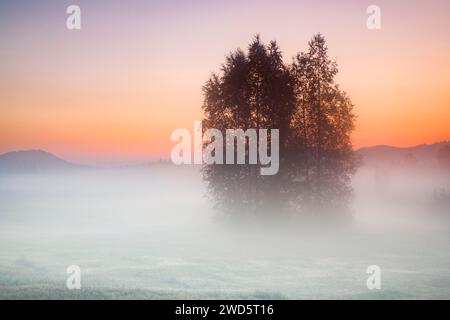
(257, 89)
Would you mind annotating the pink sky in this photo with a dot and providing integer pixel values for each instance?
(115, 90)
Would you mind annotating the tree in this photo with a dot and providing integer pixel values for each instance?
(321, 152)
(258, 90)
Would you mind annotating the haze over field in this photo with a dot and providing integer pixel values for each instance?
(132, 240)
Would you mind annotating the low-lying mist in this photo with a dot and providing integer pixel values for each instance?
(152, 232)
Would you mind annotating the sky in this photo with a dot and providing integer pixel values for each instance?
(114, 91)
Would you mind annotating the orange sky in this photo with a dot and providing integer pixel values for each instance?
(115, 90)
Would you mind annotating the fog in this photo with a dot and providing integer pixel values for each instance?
(152, 232)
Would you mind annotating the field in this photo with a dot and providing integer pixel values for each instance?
(151, 234)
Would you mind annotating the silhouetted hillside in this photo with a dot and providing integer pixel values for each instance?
(387, 155)
(39, 160)
(32, 161)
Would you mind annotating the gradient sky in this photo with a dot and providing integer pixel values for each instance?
(115, 90)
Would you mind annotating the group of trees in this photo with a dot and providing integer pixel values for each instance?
(314, 116)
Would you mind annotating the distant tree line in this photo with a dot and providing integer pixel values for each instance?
(315, 118)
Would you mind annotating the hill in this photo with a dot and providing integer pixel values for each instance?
(33, 161)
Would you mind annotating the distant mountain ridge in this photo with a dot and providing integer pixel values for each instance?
(423, 153)
(40, 160)
(33, 161)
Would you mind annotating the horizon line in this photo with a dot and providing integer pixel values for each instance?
(160, 159)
